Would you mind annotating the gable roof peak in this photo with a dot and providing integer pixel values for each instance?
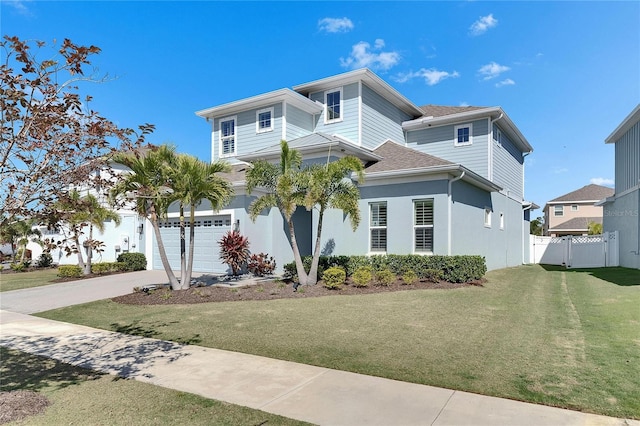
(591, 192)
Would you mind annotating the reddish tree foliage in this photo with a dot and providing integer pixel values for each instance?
(49, 140)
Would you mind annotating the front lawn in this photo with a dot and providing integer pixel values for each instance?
(79, 396)
(564, 338)
(19, 280)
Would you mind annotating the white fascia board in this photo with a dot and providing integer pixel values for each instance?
(469, 176)
(626, 124)
(493, 112)
(366, 75)
(277, 96)
(587, 202)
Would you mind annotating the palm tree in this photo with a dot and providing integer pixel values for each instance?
(285, 190)
(329, 186)
(79, 212)
(18, 234)
(149, 184)
(194, 181)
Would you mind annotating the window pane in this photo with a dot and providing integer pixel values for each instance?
(424, 239)
(264, 119)
(227, 128)
(423, 212)
(463, 135)
(378, 240)
(333, 105)
(379, 214)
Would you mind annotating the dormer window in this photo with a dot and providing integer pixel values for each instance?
(264, 120)
(333, 106)
(463, 135)
(227, 137)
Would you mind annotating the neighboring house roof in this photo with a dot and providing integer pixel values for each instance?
(434, 115)
(576, 224)
(371, 79)
(442, 110)
(624, 127)
(588, 193)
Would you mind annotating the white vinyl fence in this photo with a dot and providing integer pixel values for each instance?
(589, 251)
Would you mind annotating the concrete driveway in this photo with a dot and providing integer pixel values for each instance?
(39, 299)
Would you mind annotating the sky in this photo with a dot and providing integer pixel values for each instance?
(566, 72)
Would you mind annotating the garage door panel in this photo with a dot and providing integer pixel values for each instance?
(208, 232)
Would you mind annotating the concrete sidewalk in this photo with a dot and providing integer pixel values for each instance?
(314, 394)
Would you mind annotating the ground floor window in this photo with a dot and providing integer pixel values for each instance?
(378, 226)
(423, 226)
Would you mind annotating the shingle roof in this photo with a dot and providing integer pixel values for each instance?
(398, 157)
(577, 223)
(590, 192)
(442, 110)
(237, 173)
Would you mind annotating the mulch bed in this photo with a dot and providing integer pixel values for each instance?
(17, 405)
(269, 290)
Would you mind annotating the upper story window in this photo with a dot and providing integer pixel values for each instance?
(264, 120)
(333, 106)
(463, 135)
(574, 208)
(497, 136)
(227, 136)
(558, 210)
(378, 226)
(423, 226)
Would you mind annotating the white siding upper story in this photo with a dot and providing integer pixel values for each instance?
(381, 120)
(299, 123)
(627, 159)
(347, 125)
(507, 164)
(440, 141)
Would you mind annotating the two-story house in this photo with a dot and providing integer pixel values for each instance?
(622, 209)
(571, 214)
(438, 180)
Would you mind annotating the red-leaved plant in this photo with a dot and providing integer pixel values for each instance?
(261, 264)
(234, 250)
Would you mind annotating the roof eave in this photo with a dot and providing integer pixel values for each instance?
(492, 112)
(341, 146)
(369, 77)
(281, 95)
(626, 124)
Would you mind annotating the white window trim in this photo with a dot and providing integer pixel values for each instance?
(235, 137)
(372, 227)
(555, 213)
(455, 134)
(487, 217)
(326, 106)
(266, 129)
(575, 208)
(502, 221)
(421, 226)
(497, 136)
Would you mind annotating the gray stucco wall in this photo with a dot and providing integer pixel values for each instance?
(623, 216)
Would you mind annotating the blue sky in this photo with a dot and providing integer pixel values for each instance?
(567, 73)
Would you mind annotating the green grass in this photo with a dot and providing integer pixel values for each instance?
(22, 280)
(564, 338)
(80, 396)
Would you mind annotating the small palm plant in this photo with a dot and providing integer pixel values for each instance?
(234, 251)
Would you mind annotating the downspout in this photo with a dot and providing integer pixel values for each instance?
(523, 234)
(449, 203)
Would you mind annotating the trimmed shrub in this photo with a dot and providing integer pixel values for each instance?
(385, 277)
(44, 261)
(107, 267)
(362, 276)
(409, 277)
(261, 264)
(133, 261)
(432, 275)
(19, 267)
(69, 271)
(334, 277)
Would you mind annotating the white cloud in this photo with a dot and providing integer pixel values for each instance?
(335, 25)
(492, 70)
(482, 25)
(506, 82)
(559, 170)
(602, 181)
(431, 76)
(20, 6)
(363, 56)
(464, 104)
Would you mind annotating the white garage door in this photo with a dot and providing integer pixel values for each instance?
(206, 256)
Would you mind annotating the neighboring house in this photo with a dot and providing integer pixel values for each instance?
(438, 180)
(570, 214)
(622, 209)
